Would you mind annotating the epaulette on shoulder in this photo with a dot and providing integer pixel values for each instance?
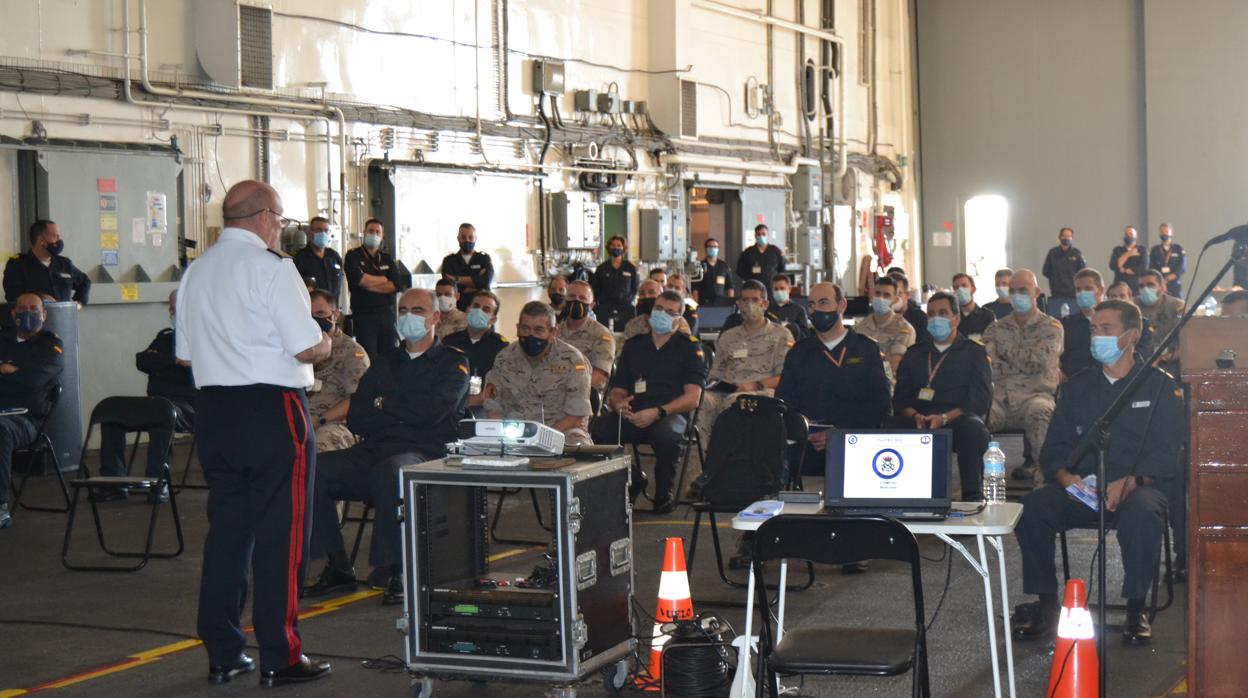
(453, 348)
(503, 339)
(16, 256)
(693, 339)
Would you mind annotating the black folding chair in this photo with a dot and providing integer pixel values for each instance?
(1168, 574)
(131, 414)
(190, 454)
(854, 651)
(503, 494)
(35, 454)
(691, 438)
(362, 521)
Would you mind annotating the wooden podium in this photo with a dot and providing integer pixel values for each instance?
(1217, 531)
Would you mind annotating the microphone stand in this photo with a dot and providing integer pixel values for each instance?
(1097, 437)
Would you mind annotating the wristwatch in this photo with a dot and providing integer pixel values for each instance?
(321, 422)
(944, 420)
(662, 412)
(378, 401)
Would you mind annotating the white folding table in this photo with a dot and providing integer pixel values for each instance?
(991, 524)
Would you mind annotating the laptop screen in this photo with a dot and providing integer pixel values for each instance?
(712, 317)
(888, 469)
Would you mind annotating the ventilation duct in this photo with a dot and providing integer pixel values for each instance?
(234, 43)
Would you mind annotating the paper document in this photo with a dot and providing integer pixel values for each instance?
(762, 509)
(1085, 491)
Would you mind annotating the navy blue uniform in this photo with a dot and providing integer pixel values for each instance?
(1137, 264)
(167, 379)
(320, 272)
(794, 317)
(1171, 261)
(1060, 267)
(402, 406)
(1076, 344)
(481, 353)
(615, 291)
(478, 267)
(39, 363)
(1001, 309)
(960, 377)
(372, 314)
(760, 266)
(717, 280)
(975, 322)
(844, 386)
(1144, 442)
(918, 320)
(654, 377)
(60, 280)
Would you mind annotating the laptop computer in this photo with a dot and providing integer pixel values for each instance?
(711, 318)
(903, 474)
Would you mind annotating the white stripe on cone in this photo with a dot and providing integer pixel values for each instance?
(674, 587)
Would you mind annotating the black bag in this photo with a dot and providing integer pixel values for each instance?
(746, 455)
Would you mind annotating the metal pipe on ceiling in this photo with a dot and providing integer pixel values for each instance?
(765, 18)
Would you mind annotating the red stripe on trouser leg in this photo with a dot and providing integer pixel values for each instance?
(298, 483)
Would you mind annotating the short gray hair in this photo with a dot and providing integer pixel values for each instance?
(540, 309)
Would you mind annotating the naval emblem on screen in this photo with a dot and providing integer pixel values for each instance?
(888, 466)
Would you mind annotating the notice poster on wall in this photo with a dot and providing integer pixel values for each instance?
(157, 214)
(138, 232)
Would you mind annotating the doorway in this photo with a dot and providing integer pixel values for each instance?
(985, 224)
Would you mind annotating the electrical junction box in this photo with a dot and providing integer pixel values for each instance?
(662, 236)
(585, 100)
(807, 189)
(609, 102)
(809, 248)
(576, 221)
(548, 77)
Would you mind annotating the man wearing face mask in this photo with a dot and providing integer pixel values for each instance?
(639, 325)
(1001, 306)
(1169, 259)
(972, 319)
(471, 270)
(1163, 313)
(336, 378)
(907, 308)
(541, 378)
(578, 328)
(1060, 267)
(408, 404)
(373, 279)
(791, 315)
(761, 261)
(1141, 460)
(479, 342)
(615, 283)
(946, 383)
(748, 358)
(657, 383)
(318, 263)
(888, 328)
(676, 283)
(1077, 327)
(43, 271)
(1234, 304)
(167, 379)
(1128, 260)
(1120, 291)
(453, 319)
(1026, 350)
(717, 286)
(557, 292)
(30, 362)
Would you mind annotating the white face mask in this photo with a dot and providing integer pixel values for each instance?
(445, 303)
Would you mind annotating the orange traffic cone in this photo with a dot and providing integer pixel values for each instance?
(1074, 672)
(674, 604)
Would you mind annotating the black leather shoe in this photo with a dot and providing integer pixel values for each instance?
(1138, 631)
(740, 561)
(303, 670)
(331, 580)
(638, 487)
(108, 494)
(1034, 621)
(665, 504)
(225, 672)
(394, 591)
(1026, 471)
(854, 568)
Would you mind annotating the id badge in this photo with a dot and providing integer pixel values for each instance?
(639, 387)
(741, 354)
(1165, 270)
(927, 394)
(720, 281)
(758, 270)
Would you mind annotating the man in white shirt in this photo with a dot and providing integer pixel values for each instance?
(244, 325)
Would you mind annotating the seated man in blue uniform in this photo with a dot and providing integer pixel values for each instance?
(1141, 460)
(946, 383)
(657, 383)
(30, 362)
(167, 379)
(408, 403)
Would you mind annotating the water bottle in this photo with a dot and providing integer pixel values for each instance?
(994, 473)
(1210, 307)
(1065, 309)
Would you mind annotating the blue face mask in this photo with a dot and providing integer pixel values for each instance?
(478, 319)
(1148, 296)
(372, 241)
(760, 240)
(825, 320)
(661, 322)
(1021, 303)
(1105, 349)
(28, 321)
(411, 327)
(781, 297)
(533, 346)
(1086, 300)
(963, 294)
(939, 328)
(712, 252)
(320, 239)
(881, 306)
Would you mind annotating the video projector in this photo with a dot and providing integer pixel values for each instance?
(506, 437)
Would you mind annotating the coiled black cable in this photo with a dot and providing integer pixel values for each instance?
(696, 663)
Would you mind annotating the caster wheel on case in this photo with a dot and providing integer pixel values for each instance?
(615, 676)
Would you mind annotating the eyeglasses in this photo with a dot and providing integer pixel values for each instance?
(283, 219)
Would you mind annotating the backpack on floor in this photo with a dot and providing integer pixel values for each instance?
(745, 458)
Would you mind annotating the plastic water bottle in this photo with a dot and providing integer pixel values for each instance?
(994, 473)
(1065, 309)
(1210, 307)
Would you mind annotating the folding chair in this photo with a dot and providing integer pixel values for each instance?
(503, 494)
(854, 651)
(35, 454)
(190, 455)
(1166, 560)
(363, 520)
(691, 437)
(131, 414)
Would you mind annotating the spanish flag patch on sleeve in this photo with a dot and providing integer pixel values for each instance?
(463, 368)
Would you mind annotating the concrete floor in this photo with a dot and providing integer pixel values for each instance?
(139, 645)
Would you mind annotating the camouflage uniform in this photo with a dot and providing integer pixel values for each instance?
(336, 379)
(593, 340)
(554, 387)
(1162, 315)
(452, 321)
(894, 335)
(1026, 371)
(741, 357)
